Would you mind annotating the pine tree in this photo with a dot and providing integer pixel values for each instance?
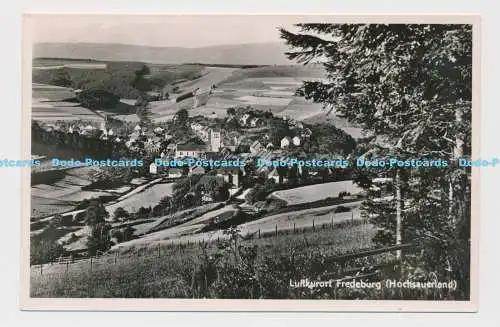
(410, 88)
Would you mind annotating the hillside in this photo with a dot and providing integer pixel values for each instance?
(239, 54)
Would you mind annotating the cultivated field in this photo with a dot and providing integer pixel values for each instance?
(48, 105)
(62, 194)
(268, 88)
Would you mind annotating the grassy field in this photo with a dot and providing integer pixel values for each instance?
(150, 196)
(204, 271)
(316, 192)
(63, 192)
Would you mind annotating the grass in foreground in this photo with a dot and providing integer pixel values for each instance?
(251, 269)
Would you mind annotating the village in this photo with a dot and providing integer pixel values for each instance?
(245, 135)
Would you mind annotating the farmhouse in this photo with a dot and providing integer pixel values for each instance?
(285, 142)
(296, 141)
(189, 150)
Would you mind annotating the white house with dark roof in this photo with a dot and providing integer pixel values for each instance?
(190, 150)
(285, 142)
(296, 141)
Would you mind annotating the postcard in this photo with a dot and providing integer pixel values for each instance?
(250, 162)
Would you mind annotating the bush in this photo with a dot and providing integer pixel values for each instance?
(341, 209)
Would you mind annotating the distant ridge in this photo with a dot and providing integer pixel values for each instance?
(238, 54)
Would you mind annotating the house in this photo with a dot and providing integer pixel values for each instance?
(204, 134)
(152, 147)
(215, 140)
(296, 141)
(274, 174)
(158, 130)
(256, 122)
(153, 169)
(189, 150)
(174, 173)
(137, 128)
(213, 115)
(196, 126)
(286, 141)
(269, 146)
(244, 119)
(197, 171)
(231, 175)
(306, 133)
(256, 147)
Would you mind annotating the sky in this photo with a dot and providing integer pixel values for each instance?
(162, 30)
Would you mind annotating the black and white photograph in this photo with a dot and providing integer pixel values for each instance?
(251, 157)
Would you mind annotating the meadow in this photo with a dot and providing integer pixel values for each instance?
(316, 192)
(260, 266)
(234, 268)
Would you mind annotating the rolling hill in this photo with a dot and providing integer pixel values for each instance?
(238, 54)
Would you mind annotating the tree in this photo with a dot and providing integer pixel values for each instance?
(409, 87)
(120, 213)
(61, 78)
(96, 213)
(99, 238)
(181, 118)
(143, 85)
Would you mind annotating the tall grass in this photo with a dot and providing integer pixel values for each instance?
(234, 268)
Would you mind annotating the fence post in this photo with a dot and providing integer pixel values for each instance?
(313, 225)
(352, 216)
(67, 266)
(41, 269)
(90, 263)
(159, 250)
(259, 232)
(294, 228)
(332, 221)
(276, 229)
(116, 256)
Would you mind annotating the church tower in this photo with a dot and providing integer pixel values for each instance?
(215, 140)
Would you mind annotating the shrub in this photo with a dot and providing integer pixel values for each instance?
(341, 209)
